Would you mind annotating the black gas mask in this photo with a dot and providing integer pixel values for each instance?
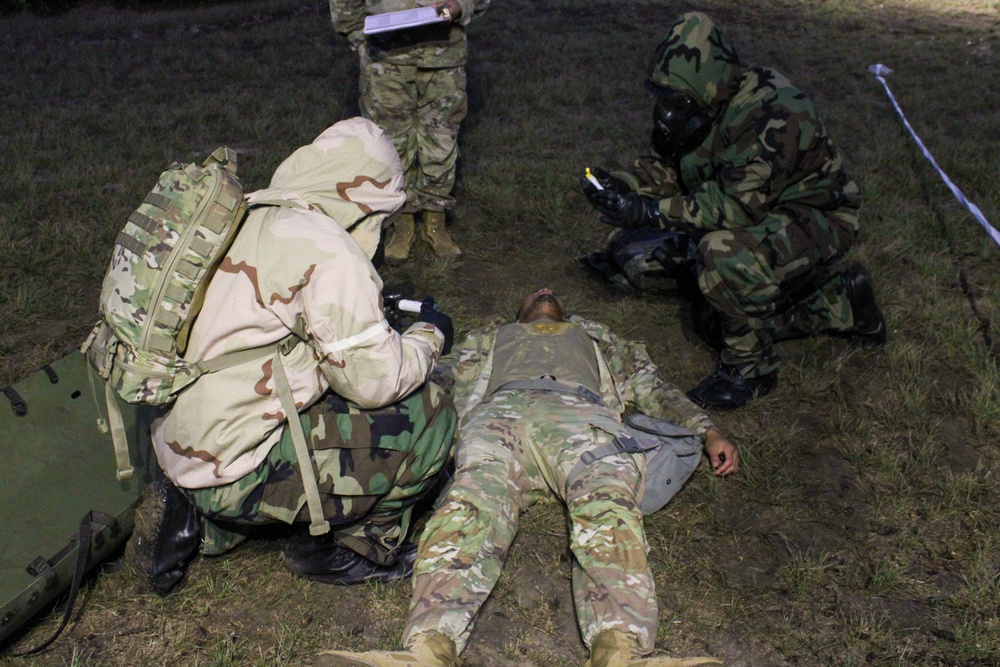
(679, 126)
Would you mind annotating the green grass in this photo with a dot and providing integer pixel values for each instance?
(863, 527)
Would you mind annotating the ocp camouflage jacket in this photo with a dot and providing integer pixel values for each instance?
(629, 379)
(431, 46)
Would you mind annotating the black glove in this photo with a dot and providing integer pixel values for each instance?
(429, 313)
(627, 211)
(400, 320)
(607, 181)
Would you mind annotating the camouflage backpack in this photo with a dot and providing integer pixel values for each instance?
(160, 267)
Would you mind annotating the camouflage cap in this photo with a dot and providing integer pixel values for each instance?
(695, 58)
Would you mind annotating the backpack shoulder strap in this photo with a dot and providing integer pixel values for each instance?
(231, 359)
(318, 524)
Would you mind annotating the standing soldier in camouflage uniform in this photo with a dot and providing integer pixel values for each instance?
(743, 164)
(534, 397)
(413, 85)
(378, 433)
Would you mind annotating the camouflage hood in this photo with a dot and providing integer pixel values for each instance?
(350, 173)
(696, 58)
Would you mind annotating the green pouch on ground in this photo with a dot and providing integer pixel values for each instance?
(59, 482)
(672, 453)
(671, 457)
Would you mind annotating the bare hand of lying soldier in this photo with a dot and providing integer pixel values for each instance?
(722, 454)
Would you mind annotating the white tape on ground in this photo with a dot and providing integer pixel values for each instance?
(880, 72)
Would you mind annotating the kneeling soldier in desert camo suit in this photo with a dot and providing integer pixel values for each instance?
(535, 396)
(376, 433)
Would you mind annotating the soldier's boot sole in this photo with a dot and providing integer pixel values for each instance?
(341, 659)
(378, 659)
(665, 662)
(613, 648)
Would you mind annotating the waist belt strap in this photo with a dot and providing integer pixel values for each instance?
(548, 384)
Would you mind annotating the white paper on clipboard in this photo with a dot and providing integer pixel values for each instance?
(408, 18)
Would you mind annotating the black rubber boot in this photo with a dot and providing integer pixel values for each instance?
(170, 539)
(869, 324)
(706, 322)
(324, 559)
(727, 389)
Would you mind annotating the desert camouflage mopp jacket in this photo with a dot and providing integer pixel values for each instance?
(296, 269)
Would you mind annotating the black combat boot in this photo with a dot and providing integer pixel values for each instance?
(324, 559)
(727, 389)
(869, 324)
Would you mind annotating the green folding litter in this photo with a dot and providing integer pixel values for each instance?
(58, 486)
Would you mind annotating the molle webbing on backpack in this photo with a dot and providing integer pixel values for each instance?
(163, 260)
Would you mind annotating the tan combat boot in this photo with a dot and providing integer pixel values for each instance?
(434, 234)
(398, 248)
(428, 649)
(613, 648)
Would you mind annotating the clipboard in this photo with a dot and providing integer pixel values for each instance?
(408, 18)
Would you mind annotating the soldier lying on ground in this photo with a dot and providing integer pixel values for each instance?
(745, 166)
(535, 397)
(378, 434)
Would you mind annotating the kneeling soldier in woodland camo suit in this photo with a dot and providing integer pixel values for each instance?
(519, 443)
(378, 434)
(413, 85)
(745, 166)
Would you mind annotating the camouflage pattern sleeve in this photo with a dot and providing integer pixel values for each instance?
(638, 383)
(775, 151)
(765, 146)
(465, 372)
(348, 17)
(471, 9)
(338, 307)
(654, 178)
(652, 395)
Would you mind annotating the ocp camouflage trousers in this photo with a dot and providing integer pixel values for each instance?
(515, 449)
(776, 281)
(371, 467)
(421, 110)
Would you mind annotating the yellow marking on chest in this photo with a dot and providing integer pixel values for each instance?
(548, 328)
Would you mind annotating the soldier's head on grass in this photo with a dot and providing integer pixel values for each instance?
(540, 305)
